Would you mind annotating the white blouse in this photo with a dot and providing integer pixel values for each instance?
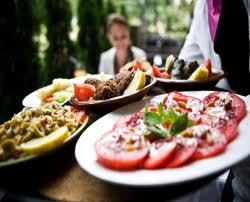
(106, 64)
(199, 45)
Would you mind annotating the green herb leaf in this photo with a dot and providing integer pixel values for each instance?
(152, 118)
(160, 109)
(190, 123)
(160, 132)
(61, 99)
(171, 116)
(146, 108)
(146, 132)
(180, 124)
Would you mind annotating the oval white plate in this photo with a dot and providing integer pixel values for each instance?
(86, 156)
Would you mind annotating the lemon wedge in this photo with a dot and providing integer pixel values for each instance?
(46, 143)
(137, 83)
(200, 74)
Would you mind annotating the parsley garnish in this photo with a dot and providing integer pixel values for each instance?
(156, 122)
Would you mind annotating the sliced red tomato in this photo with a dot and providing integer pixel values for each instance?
(48, 99)
(229, 128)
(122, 122)
(233, 104)
(137, 65)
(157, 73)
(84, 92)
(160, 151)
(208, 65)
(201, 118)
(212, 143)
(183, 103)
(184, 150)
(121, 151)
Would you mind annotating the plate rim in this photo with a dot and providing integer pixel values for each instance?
(198, 177)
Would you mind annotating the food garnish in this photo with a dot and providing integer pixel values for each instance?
(164, 123)
(46, 143)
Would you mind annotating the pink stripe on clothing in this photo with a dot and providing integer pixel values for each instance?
(214, 10)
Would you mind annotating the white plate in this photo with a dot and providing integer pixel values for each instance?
(32, 99)
(86, 156)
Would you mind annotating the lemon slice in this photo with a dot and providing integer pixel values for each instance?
(46, 143)
(200, 74)
(137, 83)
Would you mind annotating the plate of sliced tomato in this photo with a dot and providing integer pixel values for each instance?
(169, 140)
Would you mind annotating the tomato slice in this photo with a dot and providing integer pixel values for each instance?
(79, 113)
(122, 122)
(137, 65)
(48, 99)
(234, 106)
(165, 75)
(156, 71)
(211, 141)
(229, 128)
(160, 151)
(131, 120)
(183, 103)
(184, 150)
(84, 92)
(125, 151)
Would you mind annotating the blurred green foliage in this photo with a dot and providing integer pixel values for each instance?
(89, 41)
(58, 23)
(37, 37)
(18, 54)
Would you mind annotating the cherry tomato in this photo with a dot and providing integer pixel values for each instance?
(235, 109)
(48, 99)
(165, 75)
(137, 65)
(121, 151)
(84, 92)
(208, 65)
(160, 151)
(156, 71)
(184, 150)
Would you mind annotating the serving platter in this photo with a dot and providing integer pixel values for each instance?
(85, 154)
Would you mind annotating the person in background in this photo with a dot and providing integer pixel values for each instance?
(122, 51)
(220, 31)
